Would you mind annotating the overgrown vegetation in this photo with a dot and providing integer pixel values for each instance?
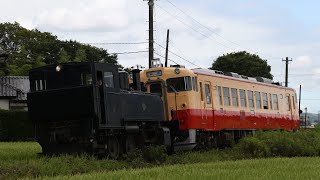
(281, 143)
(15, 126)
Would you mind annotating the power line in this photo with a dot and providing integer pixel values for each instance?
(164, 57)
(189, 26)
(91, 43)
(179, 56)
(129, 52)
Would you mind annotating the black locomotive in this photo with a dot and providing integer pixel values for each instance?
(88, 107)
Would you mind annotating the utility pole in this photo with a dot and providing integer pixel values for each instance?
(151, 5)
(287, 63)
(300, 101)
(305, 118)
(167, 49)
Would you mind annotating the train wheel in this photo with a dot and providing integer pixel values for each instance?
(113, 147)
(130, 143)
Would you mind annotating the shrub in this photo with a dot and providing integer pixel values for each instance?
(155, 154)
(252, 146)
(15, 126)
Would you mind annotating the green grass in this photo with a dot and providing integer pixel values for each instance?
(20, 160)
(274, 168)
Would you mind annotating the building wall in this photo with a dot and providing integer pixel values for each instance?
(4, 104)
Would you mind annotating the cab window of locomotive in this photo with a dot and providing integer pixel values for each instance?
(250, 99)
(208, 94)
(243, 98)
(179, 84)
(265, 100)
(86, 79)
(234, 93)
(275, 102)
(156, 88)
(258, 100)
(226, 96)
(108, 79)
(219, 94)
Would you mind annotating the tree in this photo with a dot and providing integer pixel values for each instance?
(243, 63)
(31, 48)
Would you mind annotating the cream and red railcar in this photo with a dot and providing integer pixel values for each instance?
(209, 107)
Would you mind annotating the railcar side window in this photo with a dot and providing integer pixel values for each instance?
(219, 95)
(201, 93)
(208, 93)
(250, 99)
(275, 102)
(270, 99)
(265, 100)
(258, 100)
(194, 84)
(179, 84)
(243, 98)
(226, 96)
(234, 93)
(293, 102)
(288, 103)
(108, 79)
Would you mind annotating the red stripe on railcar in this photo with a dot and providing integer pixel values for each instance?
(217, 120)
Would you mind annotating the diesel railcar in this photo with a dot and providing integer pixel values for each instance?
(88, 107)
(208, 108)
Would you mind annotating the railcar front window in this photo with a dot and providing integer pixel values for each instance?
(156, 88)
(179, 84)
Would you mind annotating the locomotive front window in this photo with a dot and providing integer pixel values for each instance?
(179, 84)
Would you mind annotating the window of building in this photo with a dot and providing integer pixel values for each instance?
(275, 102)
(179, 84)
(250, 99)
(243, 98)
(265, 100)
(226, 96)
(108, 79)
(234, 94)
(219, 94)
(208, 93)
(258, 100)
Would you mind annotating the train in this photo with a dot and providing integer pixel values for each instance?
(90, 107)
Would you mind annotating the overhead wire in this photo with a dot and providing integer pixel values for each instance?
(178, 56)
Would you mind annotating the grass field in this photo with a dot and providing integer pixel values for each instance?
(20, 160)
(273, 168)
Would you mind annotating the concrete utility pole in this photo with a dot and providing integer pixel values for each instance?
(305, 118)
(287, 63)
(151, 5)
(167, 49)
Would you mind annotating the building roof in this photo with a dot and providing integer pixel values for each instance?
(15, 87)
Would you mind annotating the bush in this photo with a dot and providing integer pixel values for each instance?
(281, 143)
(15, 126)
(253, 147)
(155, 154)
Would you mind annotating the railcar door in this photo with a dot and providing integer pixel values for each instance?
(208, 105)
(202, 104)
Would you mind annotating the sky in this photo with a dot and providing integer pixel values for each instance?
(200, 31)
